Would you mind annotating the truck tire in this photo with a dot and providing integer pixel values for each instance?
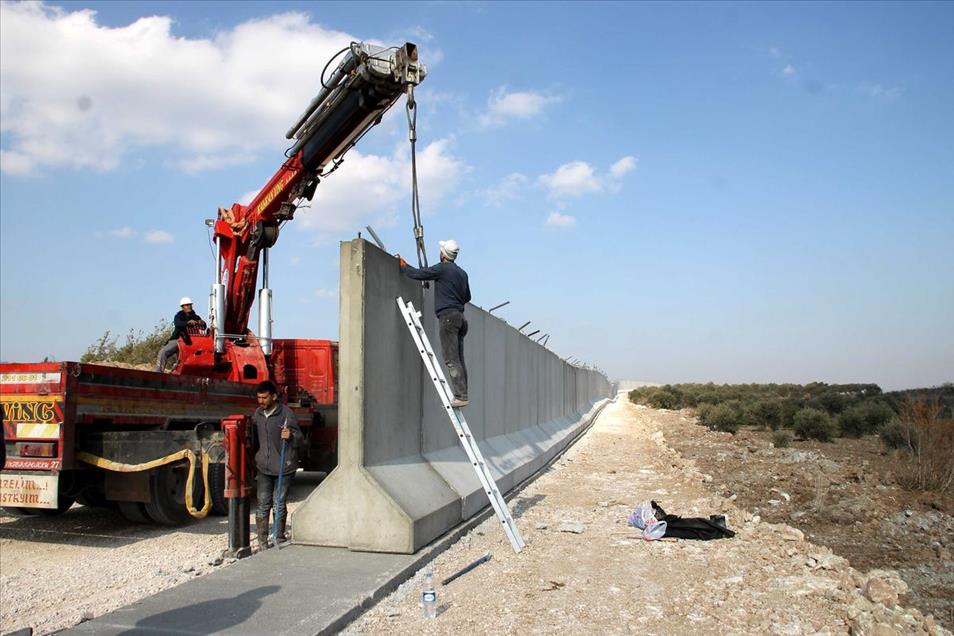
(220, 505)
(133, 511)
(167, 487)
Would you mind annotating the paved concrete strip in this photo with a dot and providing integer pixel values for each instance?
(302, 590)
(298, 590)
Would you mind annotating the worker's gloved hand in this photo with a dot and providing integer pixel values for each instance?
(401, 261)
(286, 433)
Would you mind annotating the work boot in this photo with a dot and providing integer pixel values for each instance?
(281, 527)
(459, 402)
(261, 531)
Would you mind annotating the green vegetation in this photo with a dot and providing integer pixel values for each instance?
(815, 424)
(916, 425)
(847, 410)
(139, 347)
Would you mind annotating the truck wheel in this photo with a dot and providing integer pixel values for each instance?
(133, 511)
(220, 505)
(167, 486)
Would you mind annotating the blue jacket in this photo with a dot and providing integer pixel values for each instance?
(451, 290)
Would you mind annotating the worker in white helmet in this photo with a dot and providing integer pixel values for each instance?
(451, 293)
(184, 320)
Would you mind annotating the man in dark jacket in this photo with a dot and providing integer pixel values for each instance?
(275, 425)
(184, 319)
(451, 293)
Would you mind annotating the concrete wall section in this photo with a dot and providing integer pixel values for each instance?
(402, 478)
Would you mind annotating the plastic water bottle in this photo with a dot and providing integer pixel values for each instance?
(429, 596)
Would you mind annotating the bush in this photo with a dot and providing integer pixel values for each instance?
(781, 439)
(832, 402)
(139, 348)
(896, 435)
(814, 424)
(722, 417)
(767, 413)
(665, 398)
(864, 418)
(930, 453)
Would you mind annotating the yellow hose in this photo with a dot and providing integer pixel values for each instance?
(119, 467)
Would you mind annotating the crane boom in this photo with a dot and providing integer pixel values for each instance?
(366, 83)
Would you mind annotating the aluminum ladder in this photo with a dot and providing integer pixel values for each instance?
(412, 318)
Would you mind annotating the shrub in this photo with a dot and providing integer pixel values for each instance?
(896, 434)
(139, 348)
(865, 418)
(665, 398)
(722, 417)
(781, 439)
(814, 424)
(832, 402)
(930, 452)
(767, 413)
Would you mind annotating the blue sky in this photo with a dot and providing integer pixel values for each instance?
(675, 192)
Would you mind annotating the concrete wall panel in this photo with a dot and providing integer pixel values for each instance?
(402, 477)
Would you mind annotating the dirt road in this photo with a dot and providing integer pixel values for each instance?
(585, 572)
(56, 572)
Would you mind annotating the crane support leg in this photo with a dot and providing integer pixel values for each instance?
(238, 480)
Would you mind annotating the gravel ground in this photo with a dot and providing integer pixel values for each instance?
(603, 578)
(56, 572)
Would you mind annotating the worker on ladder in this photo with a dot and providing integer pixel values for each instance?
(452, 292)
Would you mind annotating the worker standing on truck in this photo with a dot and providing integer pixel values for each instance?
(451, 293)
(275, 425)
(184, 319)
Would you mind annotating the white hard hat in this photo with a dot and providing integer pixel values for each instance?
(449, 249)
(185, 301)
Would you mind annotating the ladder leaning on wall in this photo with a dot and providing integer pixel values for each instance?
(412, 318)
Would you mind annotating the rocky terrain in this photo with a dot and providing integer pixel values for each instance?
(585, 571)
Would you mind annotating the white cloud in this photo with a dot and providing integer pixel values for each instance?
(376, 189)
(507, 189)
(880, 91)
(79, 94)
(123, 232)
(789, 71)
(561, 220)
(157, 236)
(621, 167)
(326, 293)
(578, 178)
(504, 105)
(775, 51)
(572, 179)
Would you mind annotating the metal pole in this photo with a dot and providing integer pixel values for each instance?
(542, 337)
(524, 325)
(239, 532)
(377, 239)
(533, 332)
(491, 310)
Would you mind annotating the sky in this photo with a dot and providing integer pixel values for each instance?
(752, 192)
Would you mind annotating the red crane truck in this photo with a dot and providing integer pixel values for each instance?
(107, 436)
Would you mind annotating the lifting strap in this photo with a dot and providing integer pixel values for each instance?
(192, 456)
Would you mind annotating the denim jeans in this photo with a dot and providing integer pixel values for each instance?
(453, 328)
(268, 495)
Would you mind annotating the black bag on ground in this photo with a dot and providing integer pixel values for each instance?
(693, 527)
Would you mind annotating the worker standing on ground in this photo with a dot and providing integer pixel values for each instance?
(184, 319)
(275, 424)
(451, 293)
